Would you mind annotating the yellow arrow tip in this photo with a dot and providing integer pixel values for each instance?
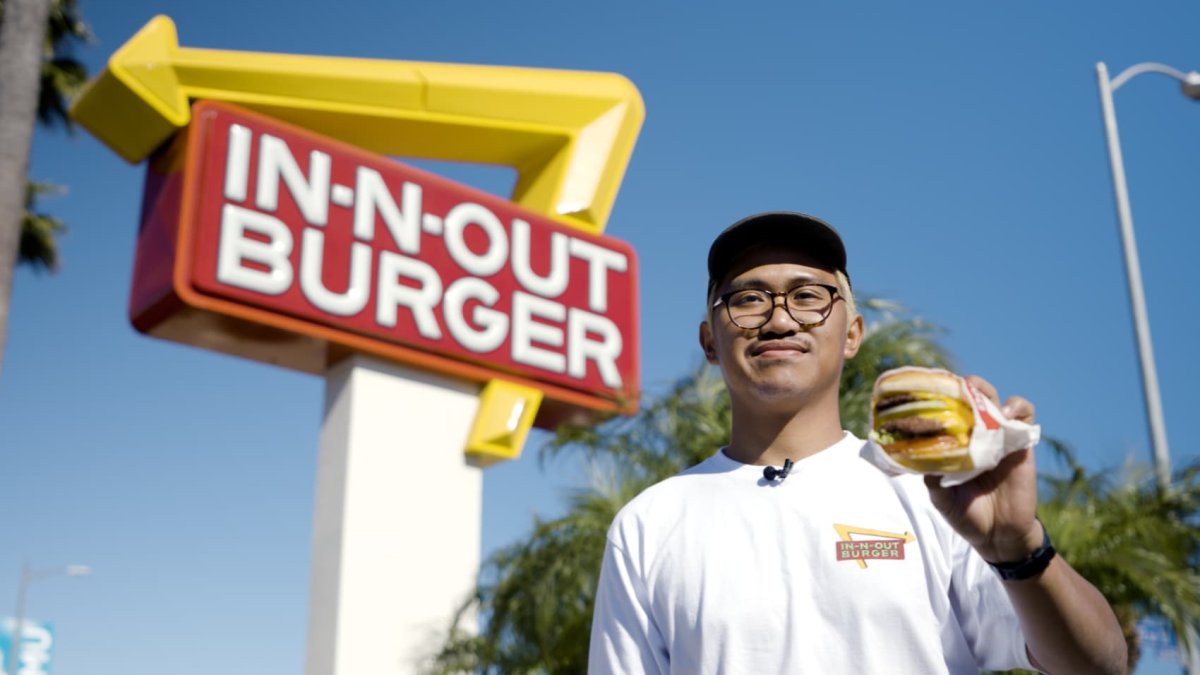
(506, 412)
(146, 64)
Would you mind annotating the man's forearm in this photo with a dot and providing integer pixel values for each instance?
(1069, 626)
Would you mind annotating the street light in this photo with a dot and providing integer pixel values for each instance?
(1190, 85)
(28, 576)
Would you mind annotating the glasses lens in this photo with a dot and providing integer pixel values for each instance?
(750, 308)
(809, 304)
(809, 297)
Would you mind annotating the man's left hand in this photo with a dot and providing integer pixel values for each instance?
(995, 511)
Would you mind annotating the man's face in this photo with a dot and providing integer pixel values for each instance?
(780, 365)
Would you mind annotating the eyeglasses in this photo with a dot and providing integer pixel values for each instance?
(808, 304)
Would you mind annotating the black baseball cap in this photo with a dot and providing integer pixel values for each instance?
(814, 236)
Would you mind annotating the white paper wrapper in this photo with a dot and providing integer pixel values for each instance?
(993, 437)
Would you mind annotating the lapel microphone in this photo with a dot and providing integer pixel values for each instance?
(771, 473)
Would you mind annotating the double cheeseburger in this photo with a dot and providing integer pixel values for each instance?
(922, 421)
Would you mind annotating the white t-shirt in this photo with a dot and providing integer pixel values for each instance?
(839, 568)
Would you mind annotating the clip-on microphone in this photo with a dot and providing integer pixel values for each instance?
(771, 473)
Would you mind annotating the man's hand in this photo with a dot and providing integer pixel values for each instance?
(995, 511)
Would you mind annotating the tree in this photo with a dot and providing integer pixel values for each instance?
(1138, 544)
(37, 76)
(536, 596)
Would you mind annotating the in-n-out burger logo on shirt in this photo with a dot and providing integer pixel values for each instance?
(311, 229)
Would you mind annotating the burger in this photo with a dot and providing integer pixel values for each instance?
(921, 419)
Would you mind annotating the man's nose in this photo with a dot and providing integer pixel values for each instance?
(780, 319)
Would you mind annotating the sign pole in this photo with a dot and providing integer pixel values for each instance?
(396, 534)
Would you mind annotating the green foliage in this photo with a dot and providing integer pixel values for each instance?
(1137, 544)
(677, 430)
(38, 247)
(539, 605)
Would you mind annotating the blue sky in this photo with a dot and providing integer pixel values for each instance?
(957, 146)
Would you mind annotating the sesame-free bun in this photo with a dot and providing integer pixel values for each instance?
(940, 382)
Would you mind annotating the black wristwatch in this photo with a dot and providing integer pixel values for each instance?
(1031, 566)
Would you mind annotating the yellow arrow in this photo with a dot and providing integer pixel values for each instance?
(506, 413)
(568, 134)
(844, 531)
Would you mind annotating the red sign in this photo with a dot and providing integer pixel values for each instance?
(275, 243)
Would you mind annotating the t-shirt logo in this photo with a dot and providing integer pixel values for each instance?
(880, 546)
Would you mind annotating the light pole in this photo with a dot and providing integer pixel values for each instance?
(28, 576)
(1190, 84)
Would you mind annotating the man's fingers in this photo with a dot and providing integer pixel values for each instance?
(1015, 408)
(984, 387)
(1019, 408)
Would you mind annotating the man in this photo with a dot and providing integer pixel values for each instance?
(828, 565)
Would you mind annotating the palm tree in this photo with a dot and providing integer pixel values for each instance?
(37, 75)
(62, 77)
(1137, 544)
(536, 596)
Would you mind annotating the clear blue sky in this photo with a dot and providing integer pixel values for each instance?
(957, 146)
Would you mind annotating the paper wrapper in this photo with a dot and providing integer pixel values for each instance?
(993, 437)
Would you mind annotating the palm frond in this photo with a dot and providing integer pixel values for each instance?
(38, 247)
(62, 75)
(1137, 544)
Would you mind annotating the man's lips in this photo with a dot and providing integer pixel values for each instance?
(781, 348)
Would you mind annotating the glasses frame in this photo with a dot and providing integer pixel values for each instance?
(826, 312)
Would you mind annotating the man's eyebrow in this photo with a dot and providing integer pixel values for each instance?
(756, 282)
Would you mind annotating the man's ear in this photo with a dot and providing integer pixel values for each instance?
(854, 337)
(706, 343)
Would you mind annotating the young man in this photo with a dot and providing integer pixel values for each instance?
(829, 565)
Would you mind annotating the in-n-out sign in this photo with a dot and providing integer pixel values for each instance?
(271, 242)
(284, 246)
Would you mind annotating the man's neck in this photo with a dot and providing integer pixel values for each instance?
(763, 436)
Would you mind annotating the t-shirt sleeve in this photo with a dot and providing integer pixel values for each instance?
(624, 637)
(985, 614)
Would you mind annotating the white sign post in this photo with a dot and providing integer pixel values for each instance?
(396, 535)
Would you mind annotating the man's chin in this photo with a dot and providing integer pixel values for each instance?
(782, 391)
(782, 385)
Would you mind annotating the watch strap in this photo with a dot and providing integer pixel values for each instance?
(1030, 567)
